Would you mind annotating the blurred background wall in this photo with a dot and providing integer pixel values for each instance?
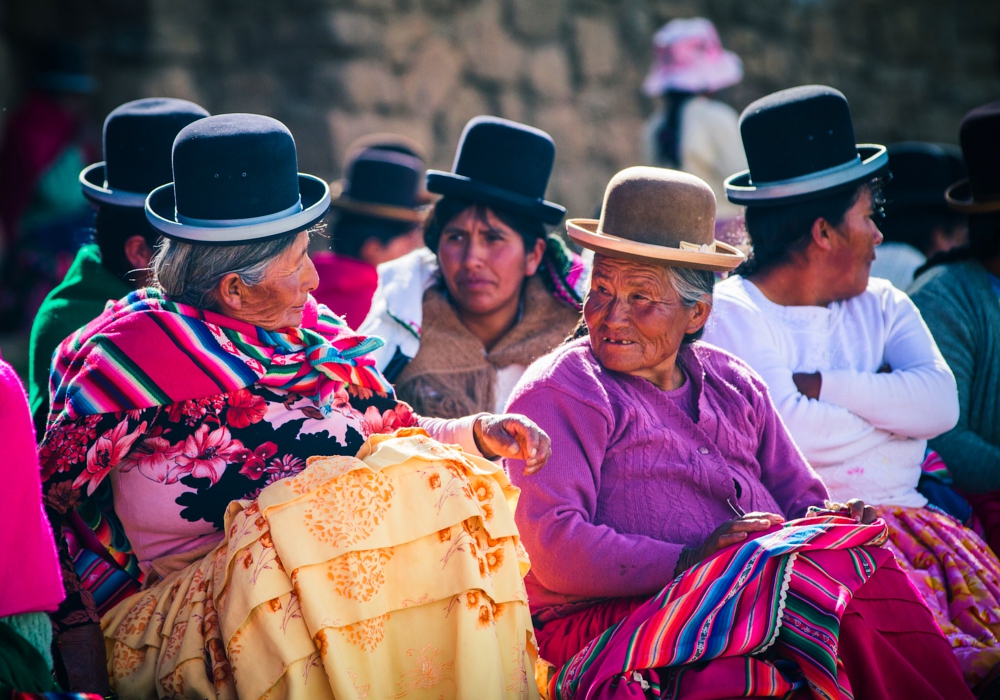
(336, 69)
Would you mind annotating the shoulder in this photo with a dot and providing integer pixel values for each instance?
(733, 299)
(950, 280)
(730, 369)
(889, 299)
(570, 370)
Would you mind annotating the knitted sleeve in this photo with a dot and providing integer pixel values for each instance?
(949, 314)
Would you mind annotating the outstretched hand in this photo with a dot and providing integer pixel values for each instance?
(515, 437)
(854, 509)
(729, 533)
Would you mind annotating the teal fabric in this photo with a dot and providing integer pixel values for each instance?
(79, 299)
(21, 666)
(36, 628)
(960, 306)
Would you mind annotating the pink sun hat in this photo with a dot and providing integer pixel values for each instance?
(688, 56)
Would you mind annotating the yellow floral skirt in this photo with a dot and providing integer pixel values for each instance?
(393, 574)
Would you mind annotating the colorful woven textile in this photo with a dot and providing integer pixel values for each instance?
(146, 351)
(957, 576)
(786, 589)
(564, 272)
(394, 574)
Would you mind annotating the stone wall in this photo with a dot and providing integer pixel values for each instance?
(336, 69)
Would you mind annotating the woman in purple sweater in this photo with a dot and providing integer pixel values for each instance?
(666, 450)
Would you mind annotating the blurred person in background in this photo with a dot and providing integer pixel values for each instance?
(690, 130)
(381, 207)
(138, 138)
(918, 222)
(46, 142)
(958, 295)
(848, 361)
(492, 292)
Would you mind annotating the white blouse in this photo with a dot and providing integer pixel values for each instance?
(867, 433)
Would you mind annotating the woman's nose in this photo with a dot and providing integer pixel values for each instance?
(311, 277)
(878, 235)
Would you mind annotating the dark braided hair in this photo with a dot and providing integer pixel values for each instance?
(668, 135)
(984, 243)
(778, 232)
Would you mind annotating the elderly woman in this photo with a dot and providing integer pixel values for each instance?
(492, 293)
(186, 426)
(669, 462)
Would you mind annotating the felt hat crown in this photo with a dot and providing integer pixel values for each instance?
(138, 139)
(688, 56)
(382, 184)
(502, 164)
(980, 137)
(921, 172)
(236, 180)
(660, 216)
(800, 145)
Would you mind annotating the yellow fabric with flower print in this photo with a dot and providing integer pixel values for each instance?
(393, 574)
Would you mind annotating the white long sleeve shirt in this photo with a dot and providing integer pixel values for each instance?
(867, 432)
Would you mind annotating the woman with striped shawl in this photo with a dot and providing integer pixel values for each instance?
(282, 525)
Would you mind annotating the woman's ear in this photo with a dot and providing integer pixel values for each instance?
(699, 316)
(231, 293)
(534, 257)
(822, 232)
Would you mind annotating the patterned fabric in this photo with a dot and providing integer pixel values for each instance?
(394, 574)
(782, 593)
(564, 272)
(959, 579)
(147, 351)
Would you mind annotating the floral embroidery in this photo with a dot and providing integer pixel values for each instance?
(245, 409)
(359, 575)
(366, 634)
(106, 453)
(518, 675)
(347, 509)
(427, 673)
(206, 454)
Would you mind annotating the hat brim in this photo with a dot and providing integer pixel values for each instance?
(959, 197)
(872, 159)
(586, 232)
(452, 185)
(702, 76)
(314, 195)
(376, 210)
(92, 183)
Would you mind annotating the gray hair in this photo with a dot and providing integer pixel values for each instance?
(692, 286)
(189, 273)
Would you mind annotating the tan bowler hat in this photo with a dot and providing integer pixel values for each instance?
(661, 216)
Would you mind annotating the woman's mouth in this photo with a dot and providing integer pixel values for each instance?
(617, 341)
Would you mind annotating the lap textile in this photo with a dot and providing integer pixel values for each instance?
(782, 593)
(958, 577)
(395, 573)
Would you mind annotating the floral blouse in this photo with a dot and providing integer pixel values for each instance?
(157, 481)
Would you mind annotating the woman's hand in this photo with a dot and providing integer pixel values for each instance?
(854, 509)
(729, 533)
(515, 437)
(808, 385)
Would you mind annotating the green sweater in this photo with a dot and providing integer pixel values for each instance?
(79, 299)
(962, 309)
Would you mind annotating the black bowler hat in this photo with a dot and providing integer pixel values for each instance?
(980, 137)
(382, 184)
(502, 164)
(800, 145)
(138, 138)
(236, 180)
(921, 172)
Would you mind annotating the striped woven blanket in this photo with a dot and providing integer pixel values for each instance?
(759, 619)
(146, 351)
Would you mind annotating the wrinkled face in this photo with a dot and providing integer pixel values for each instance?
(278, 301)
(853, 250)
(636, 318)
(483, 261)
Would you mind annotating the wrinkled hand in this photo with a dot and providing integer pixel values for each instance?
(729, 533)
(854, 509)
(83, 654)
(808, 385)
(515, 437)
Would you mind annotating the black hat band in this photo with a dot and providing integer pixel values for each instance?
(740, 189)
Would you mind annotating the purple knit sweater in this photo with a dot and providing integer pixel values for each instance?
(632, 479)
